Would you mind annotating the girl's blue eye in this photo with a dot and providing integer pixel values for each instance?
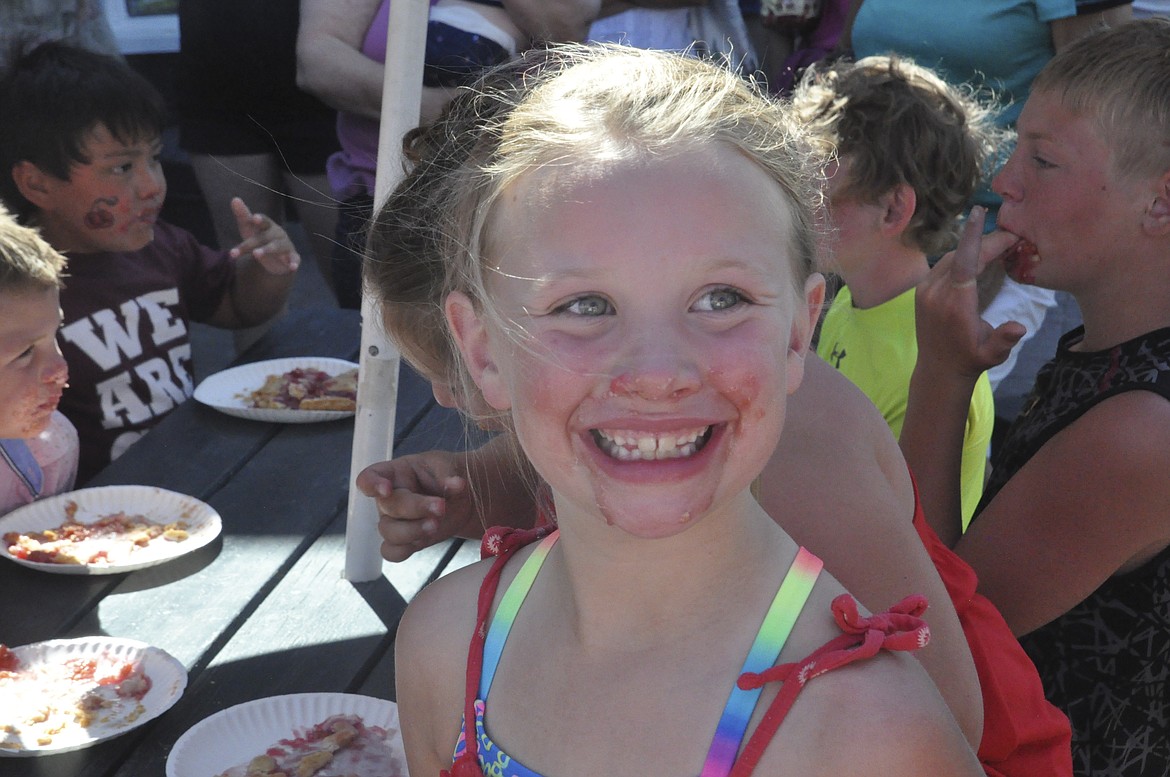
(590, 306)
(1041, 162)
(719, 299)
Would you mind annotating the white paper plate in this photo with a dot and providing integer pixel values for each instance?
(233, 736)
(168, 680)
(156, 504)
(223, 390)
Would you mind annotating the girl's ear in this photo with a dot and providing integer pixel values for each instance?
(474, 341)
(804, 323)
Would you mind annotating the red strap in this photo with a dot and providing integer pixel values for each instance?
(501, 542)
(899, 628)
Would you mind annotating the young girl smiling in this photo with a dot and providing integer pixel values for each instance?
(630, 236)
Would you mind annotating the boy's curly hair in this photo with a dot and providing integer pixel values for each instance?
(897, 122)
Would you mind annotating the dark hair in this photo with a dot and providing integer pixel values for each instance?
(52, 96)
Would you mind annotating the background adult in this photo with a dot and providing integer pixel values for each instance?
(25, 23)
(248, 129)
(340, 55)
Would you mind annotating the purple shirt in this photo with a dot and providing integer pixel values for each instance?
(352, 169)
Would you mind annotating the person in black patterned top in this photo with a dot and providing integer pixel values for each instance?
(1070, 540)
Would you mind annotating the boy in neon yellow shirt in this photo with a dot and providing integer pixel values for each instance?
(909, 152)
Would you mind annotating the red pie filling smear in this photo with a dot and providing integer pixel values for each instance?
(306, 388)
(1020, 260)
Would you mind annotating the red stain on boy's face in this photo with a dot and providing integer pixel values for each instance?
(99, 216)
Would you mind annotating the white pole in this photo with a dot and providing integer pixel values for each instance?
(373, 437)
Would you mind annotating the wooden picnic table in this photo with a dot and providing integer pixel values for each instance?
(264, 610)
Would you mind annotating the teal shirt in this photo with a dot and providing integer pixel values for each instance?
(1001, 44)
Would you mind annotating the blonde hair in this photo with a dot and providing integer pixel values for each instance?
(1120, 76)
(27, 261)
(559, 107)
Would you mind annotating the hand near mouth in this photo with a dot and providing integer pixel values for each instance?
(949, 328)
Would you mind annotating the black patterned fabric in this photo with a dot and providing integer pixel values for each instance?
(1106, 662)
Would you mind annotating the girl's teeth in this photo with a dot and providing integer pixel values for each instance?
(629, 446)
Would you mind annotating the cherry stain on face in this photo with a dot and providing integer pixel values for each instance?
(98, 217)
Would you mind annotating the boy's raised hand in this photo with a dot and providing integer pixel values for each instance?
(950, 330)
(265, 240)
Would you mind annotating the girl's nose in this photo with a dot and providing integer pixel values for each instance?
(656, 366)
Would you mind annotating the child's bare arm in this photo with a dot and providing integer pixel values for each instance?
(429, 497)
(430, 652)
(1091, 503)
(955, 346)
(266, 263)
(554, 20)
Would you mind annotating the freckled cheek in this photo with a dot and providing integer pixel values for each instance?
(20, 417)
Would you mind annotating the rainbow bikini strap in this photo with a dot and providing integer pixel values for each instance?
(782, 614)
(505, 616)
(777, 625)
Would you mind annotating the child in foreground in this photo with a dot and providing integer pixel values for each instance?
(80, 138)
(1071, 538)
(845, 495)
(38, 445)
(907, 153)
(630, 291)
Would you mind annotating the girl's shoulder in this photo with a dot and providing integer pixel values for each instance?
(863, 695)
(882, 710)
(445, 611)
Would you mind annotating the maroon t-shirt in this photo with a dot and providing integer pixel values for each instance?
(126, 337)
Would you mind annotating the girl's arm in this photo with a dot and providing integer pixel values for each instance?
(839, 486)
(430, 655)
